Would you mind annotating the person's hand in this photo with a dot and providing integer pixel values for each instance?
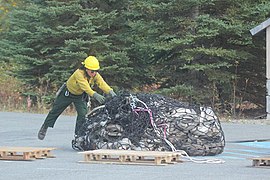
(112, 93)
(99, 98)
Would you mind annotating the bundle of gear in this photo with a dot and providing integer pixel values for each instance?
(151, 122)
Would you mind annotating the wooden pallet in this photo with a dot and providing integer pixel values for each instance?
(110, 156)
(261, 161)
(25, 153)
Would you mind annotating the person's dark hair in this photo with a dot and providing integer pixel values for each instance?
(84, 69)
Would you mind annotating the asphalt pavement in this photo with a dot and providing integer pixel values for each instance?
(243, 141)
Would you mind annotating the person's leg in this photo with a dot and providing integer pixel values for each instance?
(81, 108)
(60, 104)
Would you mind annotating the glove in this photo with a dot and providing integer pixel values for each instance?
(112, 93)
(99, 98)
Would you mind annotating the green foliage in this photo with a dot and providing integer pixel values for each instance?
(182, 91)
(197, 50)
(5, 7)
(211, 41)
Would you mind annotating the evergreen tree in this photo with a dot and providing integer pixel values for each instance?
(199, 50)
(205, 46)
(51, 38)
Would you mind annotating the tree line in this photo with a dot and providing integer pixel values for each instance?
(199, 51)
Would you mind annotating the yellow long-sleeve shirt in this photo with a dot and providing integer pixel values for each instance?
(78, 83)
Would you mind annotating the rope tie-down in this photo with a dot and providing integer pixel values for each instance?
(154, 123)
(159, 131)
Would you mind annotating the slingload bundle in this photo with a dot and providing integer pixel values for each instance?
(152, 122)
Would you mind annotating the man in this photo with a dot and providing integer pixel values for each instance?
(75, 91)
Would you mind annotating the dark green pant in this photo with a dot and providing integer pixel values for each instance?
(61, 103)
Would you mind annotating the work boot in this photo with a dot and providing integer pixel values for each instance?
(42, 132)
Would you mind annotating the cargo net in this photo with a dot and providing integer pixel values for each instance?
(152, 122)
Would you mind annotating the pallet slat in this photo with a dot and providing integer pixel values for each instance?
(109, 156)
(25, 153)
(261, 161)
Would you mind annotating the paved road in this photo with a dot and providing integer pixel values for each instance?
(20, 129)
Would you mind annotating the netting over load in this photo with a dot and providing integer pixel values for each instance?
(152, 122)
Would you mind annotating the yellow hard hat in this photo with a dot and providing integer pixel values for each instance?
(91, 63)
